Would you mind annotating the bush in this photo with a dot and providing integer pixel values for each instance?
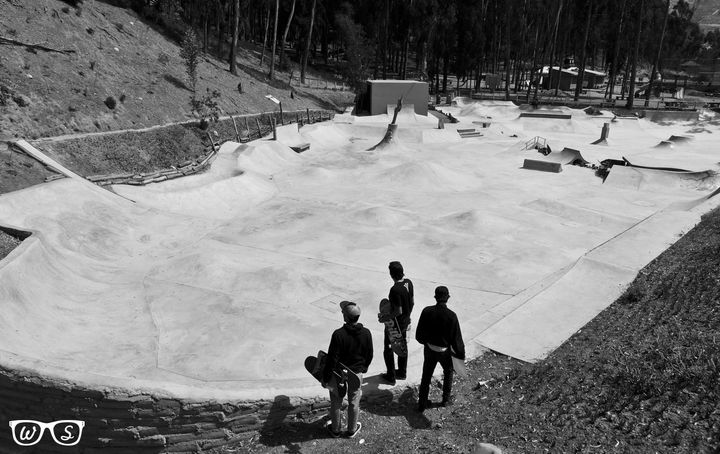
(110, 102)
(190, 53)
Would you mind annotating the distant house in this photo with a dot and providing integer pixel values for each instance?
(568, 78)
(691, 67)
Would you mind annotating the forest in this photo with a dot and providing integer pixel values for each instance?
(432, 39)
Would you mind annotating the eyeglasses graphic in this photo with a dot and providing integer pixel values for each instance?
(27, 432)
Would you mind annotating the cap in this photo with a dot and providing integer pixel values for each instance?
(442, 293)
(350, 309)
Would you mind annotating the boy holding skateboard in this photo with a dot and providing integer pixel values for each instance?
(401, 300)
(350, 346)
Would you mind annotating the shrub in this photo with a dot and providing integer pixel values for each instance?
(110, 102)
(190, 53)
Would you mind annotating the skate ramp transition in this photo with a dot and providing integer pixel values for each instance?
(289, 135)
(217, 285)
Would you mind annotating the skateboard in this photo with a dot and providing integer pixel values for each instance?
(397, 342)
(344, 377)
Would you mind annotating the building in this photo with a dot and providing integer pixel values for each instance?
(381, 93)
(568, 78)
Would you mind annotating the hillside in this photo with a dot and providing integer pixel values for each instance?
(707, 13)
(83, 56)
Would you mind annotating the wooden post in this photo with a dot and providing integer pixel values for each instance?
(282, 120)
(308, 114)
(212, 142)
(247, 127)
(272, 123)
(237, 133)
(257, 120)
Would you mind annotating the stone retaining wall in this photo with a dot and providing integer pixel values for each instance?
(139, 423)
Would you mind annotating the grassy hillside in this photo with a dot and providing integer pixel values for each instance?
(95, 52)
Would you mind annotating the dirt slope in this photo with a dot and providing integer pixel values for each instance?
(110, 52)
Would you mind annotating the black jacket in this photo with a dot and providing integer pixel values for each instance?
(439, 326)
(352, 346)
(402, 300)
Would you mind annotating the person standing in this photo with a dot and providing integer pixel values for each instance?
(439, 331)
(402, 300)
(352, 346)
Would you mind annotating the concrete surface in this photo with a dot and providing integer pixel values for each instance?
(218, 285)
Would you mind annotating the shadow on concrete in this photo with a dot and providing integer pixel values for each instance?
(383, 402)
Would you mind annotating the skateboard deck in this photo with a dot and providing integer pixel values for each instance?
(344, 377)
(397, 342)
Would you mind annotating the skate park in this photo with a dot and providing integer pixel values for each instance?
(216, 286)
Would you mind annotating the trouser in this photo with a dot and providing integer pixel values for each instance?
(389, 356)
(336, 401)
(432, 358)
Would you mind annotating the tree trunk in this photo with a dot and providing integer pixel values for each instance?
(284, 40)
(636, 51)
(581, 70)
(657, 58)
(531, 76)
(306, 56)
(446, 68)
(205, 31)
(616, 53)
(275, 26)
(507, 53)
(267, 26)
(553, 49)
(386, 39)
(219, 29)
(233, 46)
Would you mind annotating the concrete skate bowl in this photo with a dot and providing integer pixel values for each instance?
(239, 181)
(111, 334)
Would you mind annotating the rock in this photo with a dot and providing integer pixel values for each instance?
(21, 100)
(486, 448)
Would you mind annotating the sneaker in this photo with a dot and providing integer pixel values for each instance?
(423, 406)
(388, 379)
(349, 434)
(332, 432)
(447, 402)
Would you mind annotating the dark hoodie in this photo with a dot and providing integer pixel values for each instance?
(352, 346)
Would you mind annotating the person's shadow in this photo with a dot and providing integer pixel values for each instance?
(280, 431)
(382, 402)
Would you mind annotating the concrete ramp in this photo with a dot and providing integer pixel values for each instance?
(406, 114)
(567, 156)
(663, 181)
(565, 306)
(289, 135)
